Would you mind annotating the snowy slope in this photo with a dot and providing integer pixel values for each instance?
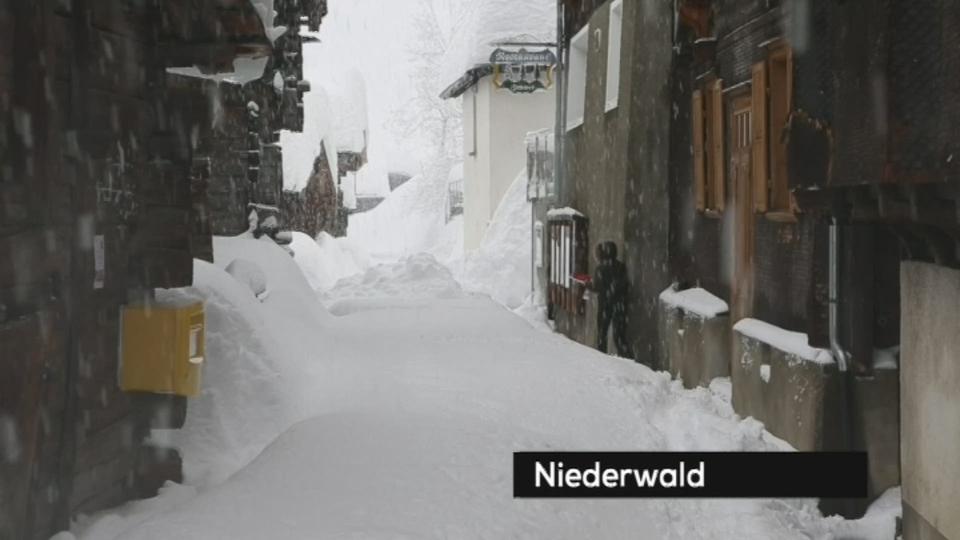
(326, 260)
(411, 220)
(500, 267)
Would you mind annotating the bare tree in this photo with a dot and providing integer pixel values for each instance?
(439, 26)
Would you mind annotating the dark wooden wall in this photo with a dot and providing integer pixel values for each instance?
(318, 207)
(98, 147)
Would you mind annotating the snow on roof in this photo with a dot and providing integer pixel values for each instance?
(793, 343)
(565, 212)
(696, 300)
(265, 11)
(348, 94)
(245, 70)
(372, 179)
(301, 149)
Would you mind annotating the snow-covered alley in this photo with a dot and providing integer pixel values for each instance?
(356, 269)
(405, 401)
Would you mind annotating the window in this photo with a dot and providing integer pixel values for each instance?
(708, 162)
(471, 119)
(614, 38)
(577, 77)
(568, 257)
(538, 244)
(540, 164)
(772, 102)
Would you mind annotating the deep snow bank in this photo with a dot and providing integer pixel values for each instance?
(501, 266)
(415, 278)
(411, 220)
(326, 260)
(259, 359)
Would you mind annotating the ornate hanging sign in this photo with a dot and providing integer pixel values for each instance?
(523, 71)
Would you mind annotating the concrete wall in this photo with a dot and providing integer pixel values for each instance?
(502, 121)
(814, 407)
(649, 26)
(693, 349)
(798, 402)
(930, 399)
(615, 165)
(875, 421)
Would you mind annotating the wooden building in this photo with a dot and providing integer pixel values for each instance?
(792, 161)
(103, 199)
(318, 207)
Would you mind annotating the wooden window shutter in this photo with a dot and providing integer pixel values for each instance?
(759, 144)
(780, 81)
(699, 163)
(716, 134)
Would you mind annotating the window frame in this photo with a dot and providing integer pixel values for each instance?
(578, 58)
(614, 48)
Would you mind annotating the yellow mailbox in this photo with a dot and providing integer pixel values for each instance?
(162, 348)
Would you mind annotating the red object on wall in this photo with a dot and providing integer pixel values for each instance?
(582, 278)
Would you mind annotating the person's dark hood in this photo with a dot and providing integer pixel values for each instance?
(607, 251)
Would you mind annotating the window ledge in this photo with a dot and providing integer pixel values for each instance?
(781, 216)
(612, 104)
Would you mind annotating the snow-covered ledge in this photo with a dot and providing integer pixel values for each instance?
(793, 343)
(697, 301)
(565, 212)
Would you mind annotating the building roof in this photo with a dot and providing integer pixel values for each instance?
(466, 81)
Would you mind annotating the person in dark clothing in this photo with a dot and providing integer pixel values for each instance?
(610, 284)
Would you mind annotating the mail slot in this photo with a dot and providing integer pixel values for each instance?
(162, 348)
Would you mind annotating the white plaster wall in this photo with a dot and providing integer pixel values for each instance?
(930, 393)
(503, 120)
(476, 167)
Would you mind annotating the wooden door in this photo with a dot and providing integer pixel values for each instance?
(740, 132)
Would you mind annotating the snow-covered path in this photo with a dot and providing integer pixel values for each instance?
(419, 421)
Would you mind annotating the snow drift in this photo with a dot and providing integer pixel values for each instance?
(501, 266)
(411, 220)
(326, 260)
(260, 357)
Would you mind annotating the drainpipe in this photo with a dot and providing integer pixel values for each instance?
(561, 112)
(839, 354)
(847, 439)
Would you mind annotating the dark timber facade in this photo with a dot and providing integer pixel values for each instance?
(797, 160)
(109, 165)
